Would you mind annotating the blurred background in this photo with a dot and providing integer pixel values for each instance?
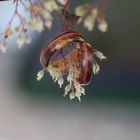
(31, 110)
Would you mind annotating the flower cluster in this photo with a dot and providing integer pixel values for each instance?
(40, 13)
(74, 89)
(90, 13)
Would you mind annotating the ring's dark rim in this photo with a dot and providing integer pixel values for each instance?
(87, 64)
(58, 38)
(49, 49)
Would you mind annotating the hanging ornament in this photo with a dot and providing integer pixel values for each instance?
(70, 55)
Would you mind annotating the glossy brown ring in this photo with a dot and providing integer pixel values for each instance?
(86, 50)
(49, 49)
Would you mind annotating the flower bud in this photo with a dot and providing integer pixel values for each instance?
(8, 32)
(72, 95)
(28, 39)
(80, 11)
(89, 23)
(100, 55)
(78, 95)
(77, 85)
(37, 24)
(3, 47)
(102, 26)
(40, 75)
(61, 82)
(82, 90)
(96, 68)
(20, 41)
(68, 88)
(48, 24)
(94, 13)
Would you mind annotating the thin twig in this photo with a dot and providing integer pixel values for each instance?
(23, 4)
(14, 14)
(65, 8)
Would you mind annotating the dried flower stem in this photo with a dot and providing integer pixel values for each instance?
(65, 9)
(23, 4)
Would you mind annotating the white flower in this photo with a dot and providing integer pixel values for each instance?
(37, 24)
(77, 85)
(28, 39)
(72, 95)
(8, 32)
(78, 95)
(82, 90)
(68, 88)
(20, 41)
(102, 26)
(56, 74)
(89, 23)
(3, 47)
(80, 11)
(94, 13)
(90, 20)
(48, 24)
(40, 75)
(61, 82)
(96, 68)
(70, 76)
(100, 55)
